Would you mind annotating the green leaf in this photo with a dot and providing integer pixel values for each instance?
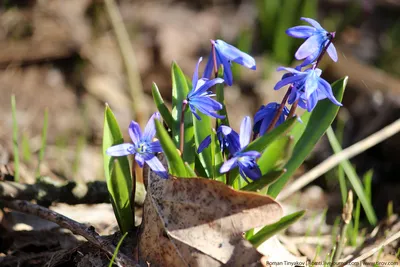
(117, 173)
(264, 181)
(298, 129)
(202, 129)
(190, 171)
(162, 108)
(270, 230)
(180, 90)
(276, 154)
(262, 142)
(355, 181)
(321, 118)
(175, 162)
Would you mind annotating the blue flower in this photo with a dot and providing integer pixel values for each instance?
(225, 54)
(308, 87)
(317, 38)
(246, 161)
(200, 97)
(265, 115)
(227, 137)
(143, 146)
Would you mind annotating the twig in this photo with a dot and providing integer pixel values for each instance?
(129, 59)
(77, 228)
(71, 193)
(334, 160)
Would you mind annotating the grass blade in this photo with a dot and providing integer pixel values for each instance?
(117, 249)
(353, 178)
(44, 140)
(15, 138)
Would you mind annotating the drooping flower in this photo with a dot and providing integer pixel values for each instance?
(244, 160)
(227, 137)
(308, 87)
(224, 54)
(142, 146)
(265, 115)
(317, 38)
(200, 97)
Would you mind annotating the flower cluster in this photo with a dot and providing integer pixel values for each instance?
(306, 88)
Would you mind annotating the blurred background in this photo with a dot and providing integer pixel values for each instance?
(62, 55)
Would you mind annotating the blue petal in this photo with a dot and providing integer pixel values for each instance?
(150, 129)
(314, 23)
(196, 73)
(207, 84)
(245, 132)
(251, 154)
(233, 54)
(204, 144)
(266, 122)
(311, 58)
(139, 159)
(289, 80)
(120, 150)
(230, 137)
(326, 89)
(134, 132)
(193, 110)
(300, 31)
(209, 69)
(311, 84)
(291, 70)
(228, 76)
(207, 106)
(228, 165)
(155, 147)
(332, 52)
(312, 102)
(309, 47)
(254, 172)
(155, 164)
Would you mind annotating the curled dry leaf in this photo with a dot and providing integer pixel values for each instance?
(200, 222)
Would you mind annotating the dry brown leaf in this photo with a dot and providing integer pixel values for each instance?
(199, 222)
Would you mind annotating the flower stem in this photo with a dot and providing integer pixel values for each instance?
(280, 109)
(293, 108)
(182, 127)
(331, 36)
(214, 55)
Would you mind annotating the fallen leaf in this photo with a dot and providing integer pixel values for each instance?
(200, 222)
